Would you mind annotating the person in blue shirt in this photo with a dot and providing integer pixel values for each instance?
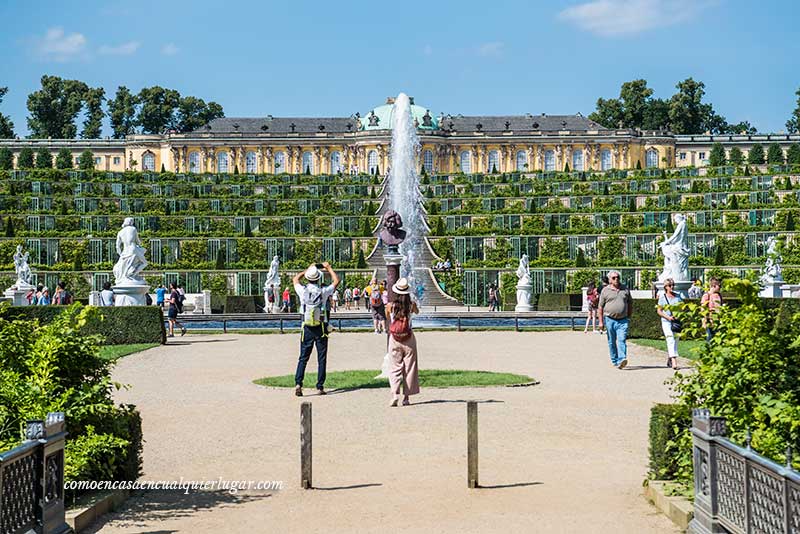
(160, 292)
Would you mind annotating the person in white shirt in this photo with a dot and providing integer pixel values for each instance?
(313, 299)
(106, 295)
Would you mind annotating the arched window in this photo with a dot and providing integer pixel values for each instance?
(549, 160)
(605, 159)
(577, 160)
(372, 161)
(308, 163)
(194, 162)
(336, 162)
(250, 164)
(427, 161)
(466, 162)
(494, 162)
(280, 162)
(148, 161)
(222, 162)
(651, 158)
(522, 160)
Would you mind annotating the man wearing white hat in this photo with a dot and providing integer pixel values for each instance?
(313, 304)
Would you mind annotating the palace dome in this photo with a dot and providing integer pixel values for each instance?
(380, 118)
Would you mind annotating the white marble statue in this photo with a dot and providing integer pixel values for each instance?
(676, 251)
(524, 285)
(22, 268)
(272, 283)
(772, 271)
(131, 263)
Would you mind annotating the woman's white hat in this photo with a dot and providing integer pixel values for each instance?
(401, 287)
(313, 274)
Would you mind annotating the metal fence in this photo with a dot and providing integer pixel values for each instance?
(32, 481)
(737, 490)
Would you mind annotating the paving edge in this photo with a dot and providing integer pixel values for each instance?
(81, 518)
(678, 509)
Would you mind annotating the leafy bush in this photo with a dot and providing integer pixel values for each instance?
(56, 367)
(668, 424)
(555, 302)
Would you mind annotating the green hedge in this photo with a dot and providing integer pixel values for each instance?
(667, 423)
(117, 324)
(558, 302)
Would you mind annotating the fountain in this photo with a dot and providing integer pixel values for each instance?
(404, 196)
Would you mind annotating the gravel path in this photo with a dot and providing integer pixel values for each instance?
(568, 455)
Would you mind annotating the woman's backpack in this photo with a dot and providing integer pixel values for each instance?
(400, 329)
(375, 299)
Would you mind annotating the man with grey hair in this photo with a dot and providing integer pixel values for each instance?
(615, 309)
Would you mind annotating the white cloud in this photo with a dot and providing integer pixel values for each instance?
(56, 45)
(169, 49)
(427, 50)
(494, 49)
(610, 18)
(125, 49)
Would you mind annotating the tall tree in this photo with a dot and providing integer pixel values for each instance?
(688, 114)
(793, 124)
(64, 159)
(744, 127)
(775, 154)
(157, 111)
(53, 108)
(44, 159)
(756, 155)
(86, 161)
(635, 97)
(609, 113)
(25, 158)
(793, 154)
(193, 113)
(735, 157)
(656, 115)
(6, 125)
(122, 112)
(93, 125)
(6, 159)
(717, 156)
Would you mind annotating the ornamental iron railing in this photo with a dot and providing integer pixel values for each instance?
(32, 480)
(736, 490)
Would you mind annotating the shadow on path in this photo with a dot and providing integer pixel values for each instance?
(644, 367)
(441, 401)
(515, 485)
(354, 486)
(194, 342)
(156, 505)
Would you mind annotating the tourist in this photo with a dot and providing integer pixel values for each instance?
(287, 303)
(161, 292)
(44, 297)
(62, 297)
(403, 370)
(377, 307)
(669, 324)
(335, 301)
(106, 295)
(348, 298)
(447, 265)
(615, 308)
(34, 299)
(458, 267)
(711, 300)
(271, 298)
(313, 299)
(696, 291)
(492, 298)
(356, 297)
(175, 306)
(592, 299)
(366, 293)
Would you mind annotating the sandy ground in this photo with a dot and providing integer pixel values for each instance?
(568, 455)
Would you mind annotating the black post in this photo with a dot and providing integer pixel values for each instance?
(281, 325)
(224, 326)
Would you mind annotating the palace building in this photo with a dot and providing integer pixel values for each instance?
(360, 144)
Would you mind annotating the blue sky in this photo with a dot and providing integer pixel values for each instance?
(306, 58)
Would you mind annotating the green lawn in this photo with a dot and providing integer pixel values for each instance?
(686, 348)
(432, 378)
(114, 352)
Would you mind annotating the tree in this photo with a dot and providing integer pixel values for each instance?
(6, 159)
(688, 114)
(787, 184)
(580, 258)
(746, 170)
(93, 125)
(566, 166)
(635, 108)
(25, 158)
(440, 230)
(552, 228)
(64, 159)
(775, 154)
(656, 115)
(736, 157)
(220, 263)
(756, 155)
(610, 249)
(361, 263)
(632, 204)
(193, 113)
(53, 108)
(157, 109)
(9, 227)
(733, 203)
(86, 161)
(717, 156)
(670, 227)
(366, 230)
(494, 168)
(744, 127)
(638, 165)
(719, 256)
(793, 124)
(609, 113)
(6, 125)
(248, 231)
(122, 112)
(793, 154)
(44, 159)
(790, 224)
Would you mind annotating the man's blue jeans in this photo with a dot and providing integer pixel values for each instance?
(617, 338)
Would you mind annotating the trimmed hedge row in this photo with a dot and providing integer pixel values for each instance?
(667, 423)
(118, 325)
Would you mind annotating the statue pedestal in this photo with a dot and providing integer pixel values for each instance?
(772, 290)
(524, 298)
(18, 295)
(130, 295)
(681, 288)
(393, 259)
